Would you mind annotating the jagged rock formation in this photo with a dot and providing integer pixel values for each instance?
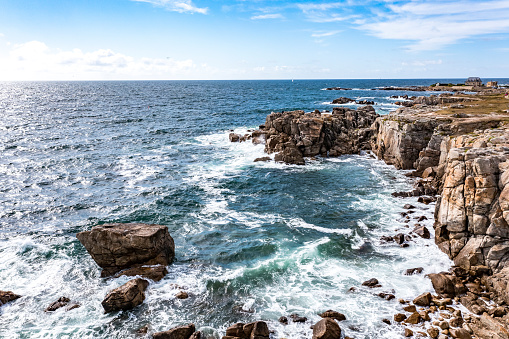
(295, 135)
(115, 247)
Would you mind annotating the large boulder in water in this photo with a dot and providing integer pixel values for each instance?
(256, 330)
(115, 247)
(125, 297)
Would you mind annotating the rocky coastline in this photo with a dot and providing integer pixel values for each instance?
(459, 155)
(458, 148)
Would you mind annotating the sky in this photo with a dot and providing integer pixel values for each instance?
(252, 39)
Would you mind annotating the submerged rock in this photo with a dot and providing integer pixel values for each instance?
(125, 297)
(115, 247)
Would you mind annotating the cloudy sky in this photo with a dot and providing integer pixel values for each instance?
(252, 39)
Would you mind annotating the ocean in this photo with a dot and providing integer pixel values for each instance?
(254, 241)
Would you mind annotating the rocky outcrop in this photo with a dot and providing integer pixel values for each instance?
(125, 297)
(342, 100)
(115, 247)
(7, 296)
(296, 135)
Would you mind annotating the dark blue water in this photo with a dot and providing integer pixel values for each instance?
(254, 241)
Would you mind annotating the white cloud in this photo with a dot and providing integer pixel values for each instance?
(34, 60)
(267, 16)
(434, 24)
(324, 34)
(181, 6)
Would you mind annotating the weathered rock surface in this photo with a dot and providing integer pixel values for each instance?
(125, 297)
(333, 315)
(295, 135)
(326, 329)
(7, 296)
(179, 332)
(115, 247)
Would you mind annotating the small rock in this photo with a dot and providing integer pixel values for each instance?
(234, 137)
(433, 332)
(182, 295)
(297, 318)
(7, 296)
(414, 318)
(460, 333)
(408, 332)
(409, 207)
(125, 297)
(423, 232)
(72, 306)
(262, 159)
(423, 300)
(283, 320)
(399, 317)
(373, 282)
(61, 302)
(180, 332)
(415, 270)
(456, 322)
(387, 321)
(333, 315)
(410, 308)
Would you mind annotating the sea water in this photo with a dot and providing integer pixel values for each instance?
(254, 240)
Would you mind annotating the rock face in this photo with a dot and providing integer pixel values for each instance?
(180, 332)
(295, 135)
(7, 296)
(115, 247)
(326, 329)
(125, 297)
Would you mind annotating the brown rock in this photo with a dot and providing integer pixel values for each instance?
(410, 308)
(460, 333)
(262, 159)
(61, 302)
(115, 247)
(408, 332)
(399, 317)
(7, 296)
(423, 300)
(433, 332)
(326, 329)
(423, 232)
(125, 297)
(234, 137)
(373, 282)
(414, 318)
(415, 270)
(333, 315)
(182, 295)
(180, 332)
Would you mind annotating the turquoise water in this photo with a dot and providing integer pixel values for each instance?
(254, 241)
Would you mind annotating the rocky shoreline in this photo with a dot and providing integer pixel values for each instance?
(460, 153)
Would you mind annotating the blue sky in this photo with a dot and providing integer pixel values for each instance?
(252, 39)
